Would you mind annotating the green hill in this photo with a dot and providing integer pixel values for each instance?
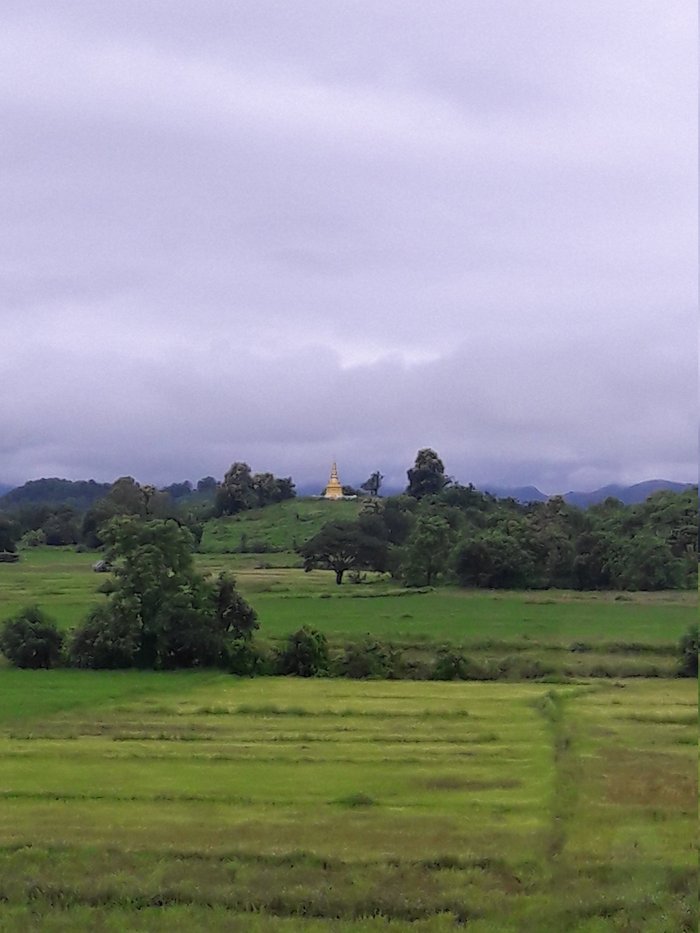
(79, 494)
(280, 527)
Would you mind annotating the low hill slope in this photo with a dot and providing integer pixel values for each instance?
(280, 527)
(80, 494)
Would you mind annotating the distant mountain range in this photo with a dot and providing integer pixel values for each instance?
(630, 495)
(82, 494)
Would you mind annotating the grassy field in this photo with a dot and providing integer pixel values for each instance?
(199, 801)
(574, 634)
(284, 526)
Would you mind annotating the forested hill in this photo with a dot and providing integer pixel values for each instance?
(79, 494)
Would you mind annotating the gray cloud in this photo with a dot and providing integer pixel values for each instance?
(286, 232)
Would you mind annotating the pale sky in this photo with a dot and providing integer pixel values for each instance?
(287, 232)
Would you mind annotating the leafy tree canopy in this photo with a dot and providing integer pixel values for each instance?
(242, 490)
(161, 613)
(342, 546)
(427, 476)
(426, 553)
(31, 639)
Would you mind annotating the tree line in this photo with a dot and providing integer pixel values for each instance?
(58, 512)
(441, 531)
(436, 531)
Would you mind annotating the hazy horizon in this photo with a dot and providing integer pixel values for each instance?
(390, 485)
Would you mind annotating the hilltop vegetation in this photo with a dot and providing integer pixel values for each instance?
(437, 532)
(77, 494)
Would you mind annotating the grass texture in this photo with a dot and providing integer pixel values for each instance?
(199, 801)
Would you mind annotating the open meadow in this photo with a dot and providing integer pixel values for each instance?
(201, 801)
(567, 633)
(188, 801)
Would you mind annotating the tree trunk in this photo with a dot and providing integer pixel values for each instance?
(339, 576)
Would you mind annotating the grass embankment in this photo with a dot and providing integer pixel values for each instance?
(198, 801)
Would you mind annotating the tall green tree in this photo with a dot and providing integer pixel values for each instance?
(427, 476)
(162, 613)
(236, 492)
(426, 552)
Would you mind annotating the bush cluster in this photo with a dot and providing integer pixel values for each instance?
(108, 641)
(30, 639)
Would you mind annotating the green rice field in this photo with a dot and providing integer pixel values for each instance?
(199, 801)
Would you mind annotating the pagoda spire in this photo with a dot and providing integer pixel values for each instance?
(334, 488)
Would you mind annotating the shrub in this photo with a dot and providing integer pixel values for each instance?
(368, 658)
(247, 658)
(412, 669)
(31, 640)
(33, 538)
(106, 639)
(688, 648)
(8, 557)
(305, 654)
(450, 665)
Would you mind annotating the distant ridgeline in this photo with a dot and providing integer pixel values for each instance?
(628, 495)
(81, 494)
(78, 494)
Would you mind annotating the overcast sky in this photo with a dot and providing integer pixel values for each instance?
(284, 232)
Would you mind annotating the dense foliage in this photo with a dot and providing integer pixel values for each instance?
(242, 490)
(463, 536)
(343, 546)
(305, 654)
(161, 613)
(77, 494)
(31, 639)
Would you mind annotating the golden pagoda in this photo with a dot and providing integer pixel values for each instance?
(333, 489)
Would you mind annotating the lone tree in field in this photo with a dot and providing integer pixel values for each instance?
(162, 613)
(341, 546)
(427, 476)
